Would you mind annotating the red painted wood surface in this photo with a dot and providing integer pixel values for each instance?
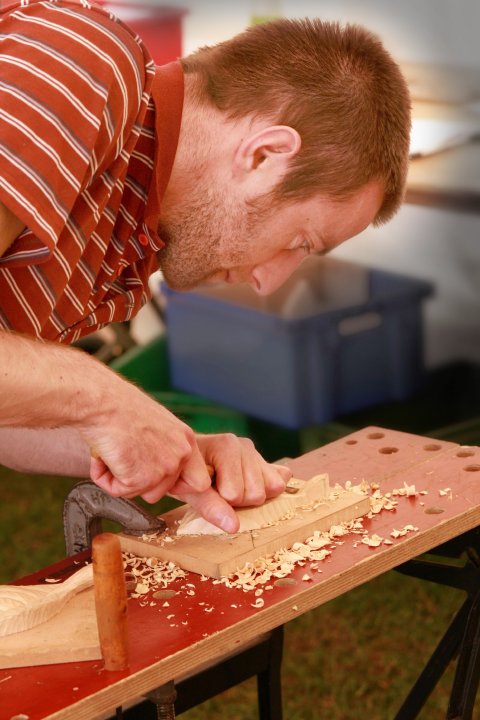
(217, 619)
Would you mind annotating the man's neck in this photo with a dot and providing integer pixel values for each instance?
(206, 145)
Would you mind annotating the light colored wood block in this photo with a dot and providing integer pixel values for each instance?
(220, 555)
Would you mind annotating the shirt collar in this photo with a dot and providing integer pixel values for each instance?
(167, 95)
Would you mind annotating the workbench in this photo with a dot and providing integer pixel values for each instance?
(214, 620)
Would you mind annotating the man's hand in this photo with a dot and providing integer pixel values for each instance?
(242, 478)
(142, 449)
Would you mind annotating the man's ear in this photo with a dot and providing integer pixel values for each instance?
(268, 150)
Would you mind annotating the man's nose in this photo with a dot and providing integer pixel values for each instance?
(269, 276)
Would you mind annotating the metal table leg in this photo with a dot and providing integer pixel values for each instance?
(462, 637)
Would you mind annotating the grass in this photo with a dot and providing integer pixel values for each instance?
(355, 657)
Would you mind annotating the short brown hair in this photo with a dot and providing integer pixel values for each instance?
(336, 85)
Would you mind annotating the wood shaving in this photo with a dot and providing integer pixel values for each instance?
(401, 533)
(150, 537)
(379, 502)
(406, 491)
(445, 491)
(372, 540)
(362, 488)
(259, 603)
(338, 531)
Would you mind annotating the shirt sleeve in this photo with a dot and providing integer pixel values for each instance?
(72, 79)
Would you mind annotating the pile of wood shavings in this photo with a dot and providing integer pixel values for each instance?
(379, 502)
(145, 574)
(279, 565)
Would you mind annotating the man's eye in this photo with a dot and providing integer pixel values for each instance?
(305, 246)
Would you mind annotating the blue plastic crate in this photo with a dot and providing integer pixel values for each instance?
(335, 338)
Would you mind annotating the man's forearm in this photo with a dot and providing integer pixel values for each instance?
(47, 392)
(46, 451)
(49, 385)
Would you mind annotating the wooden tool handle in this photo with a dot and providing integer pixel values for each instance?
(110, 600)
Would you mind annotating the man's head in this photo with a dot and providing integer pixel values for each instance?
(336, 86)
(294, 138)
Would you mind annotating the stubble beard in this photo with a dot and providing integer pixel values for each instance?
(208, 234)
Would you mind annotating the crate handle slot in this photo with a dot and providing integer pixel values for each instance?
(359, 323)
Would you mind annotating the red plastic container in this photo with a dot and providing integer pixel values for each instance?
(160, 27)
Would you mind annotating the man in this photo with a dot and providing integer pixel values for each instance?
(233, 165)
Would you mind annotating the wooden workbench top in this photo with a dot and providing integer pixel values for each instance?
(169, 641)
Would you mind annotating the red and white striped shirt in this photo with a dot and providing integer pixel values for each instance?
(88, 134)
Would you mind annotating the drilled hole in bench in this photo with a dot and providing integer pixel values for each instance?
(465, 453)
(433, 447)
(472, 468)
(284, 582)
(376, 436)
(388, 450)
(351, 442)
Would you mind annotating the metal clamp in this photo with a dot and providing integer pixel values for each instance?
(86, 505)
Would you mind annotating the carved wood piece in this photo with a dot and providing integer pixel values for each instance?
(24, 606)
(273, 510)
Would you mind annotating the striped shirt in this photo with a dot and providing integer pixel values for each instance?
(85, 158)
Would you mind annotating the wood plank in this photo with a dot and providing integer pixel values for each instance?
(69, 636)
(220, 555)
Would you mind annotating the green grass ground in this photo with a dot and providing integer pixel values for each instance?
(355, 657)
